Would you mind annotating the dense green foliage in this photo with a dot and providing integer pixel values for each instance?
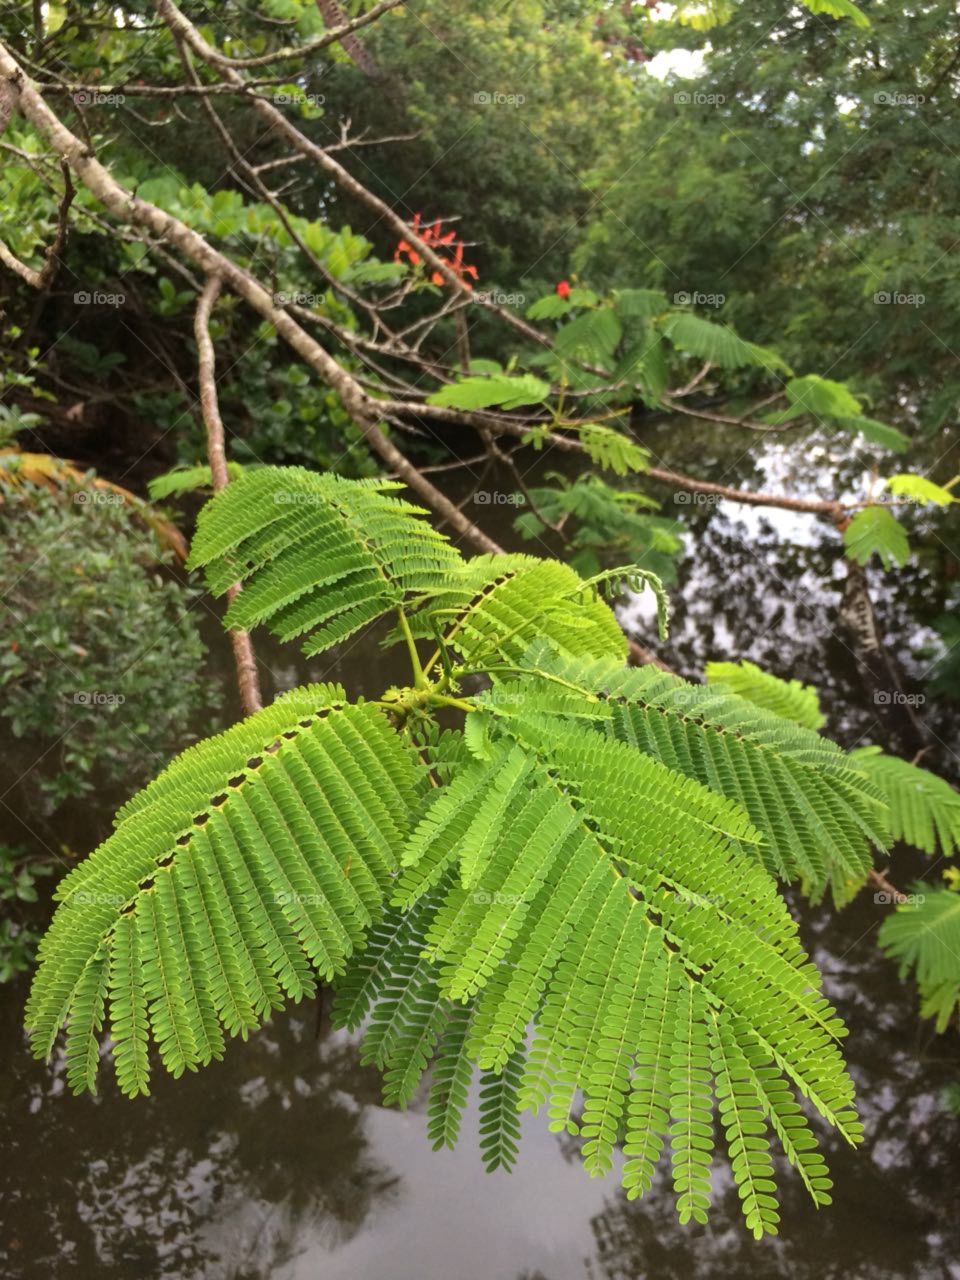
(93, 629)
(19, 934)
(924, 935)
(487, 93)
(807, 183)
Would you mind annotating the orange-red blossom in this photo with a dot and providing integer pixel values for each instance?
(436, 238)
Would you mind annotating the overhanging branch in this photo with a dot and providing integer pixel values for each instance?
(131, 209)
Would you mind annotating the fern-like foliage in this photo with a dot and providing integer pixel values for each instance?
(817, 814)
(317, 554)
(188, 479)
(568, 900)
(787, 698)
(923, 934)
(717, 343)
(497, 606)
(253, 864)
(612, 449)
(922, 809)
(654, 958)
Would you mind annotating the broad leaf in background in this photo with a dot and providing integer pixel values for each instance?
(816, 395)
(555, 305)
(874, 531)
(592, 336)
(509, 392)
(717, 343)
(878, 433)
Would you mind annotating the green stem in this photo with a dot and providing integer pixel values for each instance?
(441, 700)
(419, 679)
(525, 671)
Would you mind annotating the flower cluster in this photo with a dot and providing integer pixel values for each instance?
(436, 238)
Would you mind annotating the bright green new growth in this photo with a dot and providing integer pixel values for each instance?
(187, 480)
(318, 554)
(787, 698)
(570, 898)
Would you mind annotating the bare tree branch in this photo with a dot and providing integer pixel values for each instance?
(243, 654)
(129, 90)
(8, 103)
(352, 46)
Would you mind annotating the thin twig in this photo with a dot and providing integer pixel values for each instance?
(334, 36)
(43, 278)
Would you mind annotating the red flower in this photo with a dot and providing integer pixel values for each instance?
(404, 248)
(563, 289)
(436, 238)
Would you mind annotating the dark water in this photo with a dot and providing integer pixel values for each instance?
(280, 1161)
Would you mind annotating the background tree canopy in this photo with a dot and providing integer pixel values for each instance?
(806, 174)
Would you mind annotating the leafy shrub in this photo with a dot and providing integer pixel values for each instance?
(95, 641)
(18, 933)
